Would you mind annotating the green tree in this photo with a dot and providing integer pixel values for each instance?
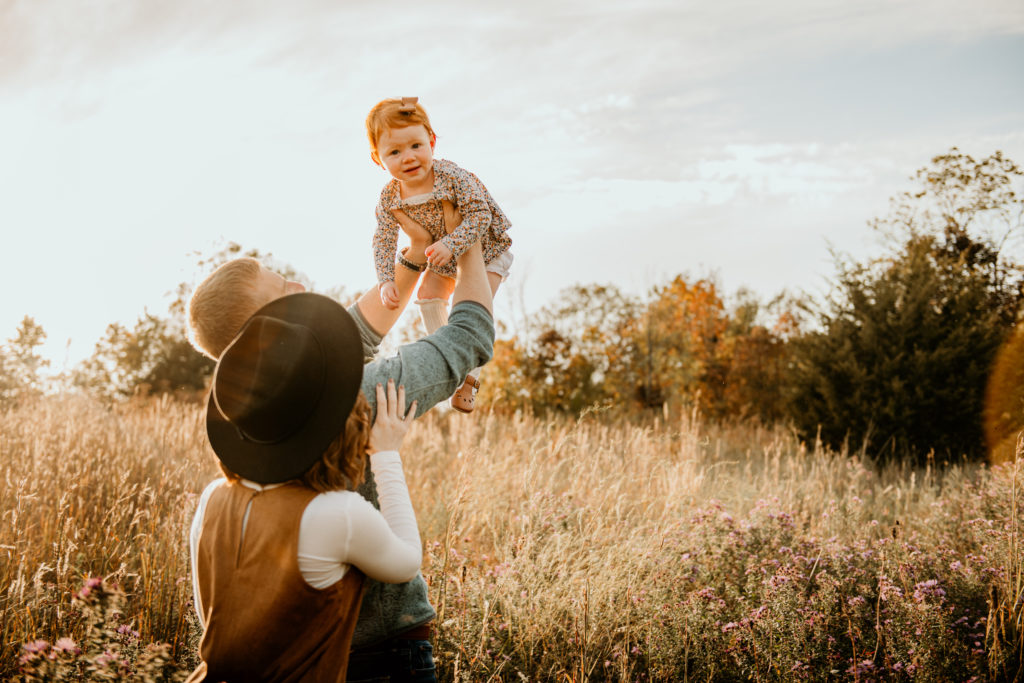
(154, 356)
(20, 363)
(905, 342)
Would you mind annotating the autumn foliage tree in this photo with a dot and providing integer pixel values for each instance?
(756, 354)
(693, 348)
(681, 345)
(1004, 399)
(573, 356)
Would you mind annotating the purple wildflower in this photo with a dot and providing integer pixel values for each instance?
(928, 589)
(127, 630)
(36, 646)
(66, 645)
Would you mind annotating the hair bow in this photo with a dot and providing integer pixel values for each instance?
(408, 104)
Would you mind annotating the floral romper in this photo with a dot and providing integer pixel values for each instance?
(482, 219)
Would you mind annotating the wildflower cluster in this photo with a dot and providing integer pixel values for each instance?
(588, 549)
(762, 596)
(110, 649)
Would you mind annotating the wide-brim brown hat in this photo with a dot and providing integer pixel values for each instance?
(283, 389)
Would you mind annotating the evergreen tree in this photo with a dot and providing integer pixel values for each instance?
(906, 342)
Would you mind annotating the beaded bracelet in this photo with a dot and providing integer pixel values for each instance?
(402, 261)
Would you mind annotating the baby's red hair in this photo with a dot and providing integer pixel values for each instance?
(395, 113)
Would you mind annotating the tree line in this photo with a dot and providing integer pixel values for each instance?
(912, 354)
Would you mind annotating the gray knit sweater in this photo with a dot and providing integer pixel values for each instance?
(431, 369)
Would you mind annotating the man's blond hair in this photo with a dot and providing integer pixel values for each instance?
(221, 304)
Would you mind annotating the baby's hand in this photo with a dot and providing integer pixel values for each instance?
(389, 295)
(392, 420)
(438, 254)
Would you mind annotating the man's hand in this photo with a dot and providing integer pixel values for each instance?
(452, 217)
(389, 295)
(418, 235)
(438, 254)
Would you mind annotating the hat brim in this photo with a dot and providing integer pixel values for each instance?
(291, 457)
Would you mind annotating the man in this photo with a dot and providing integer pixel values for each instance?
(391, 640)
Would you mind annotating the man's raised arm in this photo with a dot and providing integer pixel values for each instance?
(434, 367)
(380, 318)
(471, 281)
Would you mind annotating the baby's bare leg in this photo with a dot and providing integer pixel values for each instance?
(436, 286)
(435, 290)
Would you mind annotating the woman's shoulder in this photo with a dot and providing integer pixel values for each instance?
(204, 497)
(211, 487)
(333, 503)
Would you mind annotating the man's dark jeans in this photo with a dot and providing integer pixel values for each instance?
(393, 661)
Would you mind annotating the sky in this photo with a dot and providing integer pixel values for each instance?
(628, 142)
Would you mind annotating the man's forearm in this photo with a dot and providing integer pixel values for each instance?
(471, 282)
(377, 316)
(435, 366)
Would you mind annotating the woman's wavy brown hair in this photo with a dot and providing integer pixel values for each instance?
(343, 464)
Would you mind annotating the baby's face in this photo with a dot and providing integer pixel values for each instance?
(407, 153)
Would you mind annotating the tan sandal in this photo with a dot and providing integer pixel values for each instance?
(464, 398)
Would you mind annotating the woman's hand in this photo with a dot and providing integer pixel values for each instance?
(392, 420)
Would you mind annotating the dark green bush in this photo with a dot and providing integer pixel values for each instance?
(904, 345)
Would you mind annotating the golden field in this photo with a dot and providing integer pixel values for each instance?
(661, 548)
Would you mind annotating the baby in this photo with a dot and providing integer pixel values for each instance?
(402, 142)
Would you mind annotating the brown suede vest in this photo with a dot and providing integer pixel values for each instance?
(263, 621)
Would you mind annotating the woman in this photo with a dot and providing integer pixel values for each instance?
(280, 545)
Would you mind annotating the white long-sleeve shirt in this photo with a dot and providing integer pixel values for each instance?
(341, 528)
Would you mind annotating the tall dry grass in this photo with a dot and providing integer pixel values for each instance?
(591, 549)
(91, 491)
